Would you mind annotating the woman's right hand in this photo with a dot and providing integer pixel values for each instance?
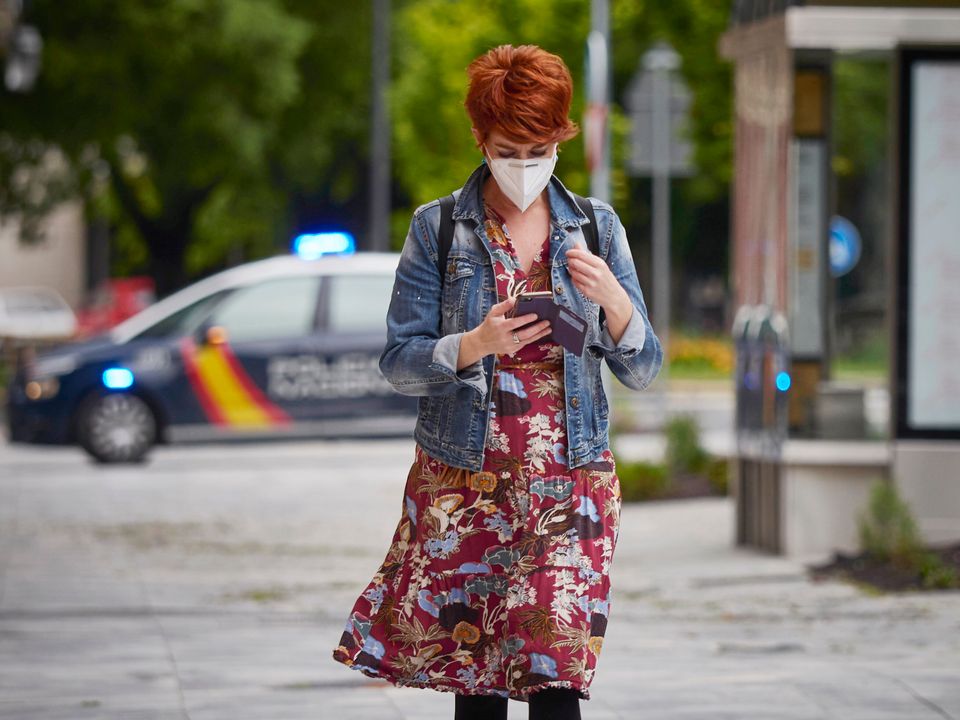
(495, 333)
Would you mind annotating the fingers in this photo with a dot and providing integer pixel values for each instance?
(541, 333)
(583, 266)
(528, 335)
(501, 307)
(537, 331)
(534, 331)
(582, 255)
(520, 321)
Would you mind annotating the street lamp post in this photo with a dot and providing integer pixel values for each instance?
(379, 221)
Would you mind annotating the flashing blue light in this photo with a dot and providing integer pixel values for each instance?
(313, 245)
(783, 381)
(117, 378)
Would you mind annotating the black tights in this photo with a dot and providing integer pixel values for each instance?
(551, 703)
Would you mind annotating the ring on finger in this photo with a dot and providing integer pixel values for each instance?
(516, 338)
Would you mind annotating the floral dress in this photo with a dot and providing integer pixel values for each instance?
(497, 581)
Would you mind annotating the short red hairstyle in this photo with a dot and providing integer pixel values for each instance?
(524, 92)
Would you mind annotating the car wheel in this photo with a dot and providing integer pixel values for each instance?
(116, 427)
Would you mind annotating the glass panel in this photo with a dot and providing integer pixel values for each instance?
(281, 308)
(359, 303)
(184, 321)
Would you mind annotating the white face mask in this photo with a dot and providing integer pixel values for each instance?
(522, 180)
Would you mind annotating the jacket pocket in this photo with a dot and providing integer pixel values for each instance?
(458, 277)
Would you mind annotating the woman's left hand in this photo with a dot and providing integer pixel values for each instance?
(593, 277)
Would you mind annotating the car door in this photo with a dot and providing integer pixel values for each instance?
(231, 363)
(353, 331)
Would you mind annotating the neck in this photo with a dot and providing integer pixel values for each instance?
(493, 195)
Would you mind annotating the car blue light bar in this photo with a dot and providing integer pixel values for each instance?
(310, 246)
(117, 378)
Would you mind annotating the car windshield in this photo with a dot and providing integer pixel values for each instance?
(184, 321)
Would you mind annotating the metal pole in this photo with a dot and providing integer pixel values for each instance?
(598, 46)
(661, 61)
(598, 94)
(661, 209)
(379, 221)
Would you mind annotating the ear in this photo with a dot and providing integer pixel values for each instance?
(476, 136)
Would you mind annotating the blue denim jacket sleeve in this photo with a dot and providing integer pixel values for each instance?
(416, 360)
(637, 357)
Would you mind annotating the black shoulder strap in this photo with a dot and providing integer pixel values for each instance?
(590, 231)
(445, 233)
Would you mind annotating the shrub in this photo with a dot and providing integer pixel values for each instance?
(935, 575)
(684, 453)
(642, 481)
(887, 529)
(701, 353)
(718, 473)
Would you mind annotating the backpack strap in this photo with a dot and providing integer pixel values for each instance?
(447, 223)
(445, 233)
(590, 232)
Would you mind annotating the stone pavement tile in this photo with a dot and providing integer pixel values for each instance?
(92, 711)
(78, 658)
(938, 688)
(47, 591)
(427, 704)
(321, 706)
(867, 697)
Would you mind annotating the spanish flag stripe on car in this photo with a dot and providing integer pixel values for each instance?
(225, 391)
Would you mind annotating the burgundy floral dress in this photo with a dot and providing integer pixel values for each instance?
(496, 582)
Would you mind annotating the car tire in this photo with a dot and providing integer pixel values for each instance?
(116, 427)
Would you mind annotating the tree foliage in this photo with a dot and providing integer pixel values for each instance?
(437, 39)
(202, 128)
(177, 102)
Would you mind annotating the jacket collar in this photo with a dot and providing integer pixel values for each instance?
(564, 212)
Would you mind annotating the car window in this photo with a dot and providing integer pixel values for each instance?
(280, 308)
(358, 303)
(186, 320)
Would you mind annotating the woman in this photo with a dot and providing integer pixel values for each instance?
(496, 584)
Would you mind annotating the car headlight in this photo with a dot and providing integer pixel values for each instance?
(42, 389)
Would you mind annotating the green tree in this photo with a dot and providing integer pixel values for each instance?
(434, 150)
(435, 42)
(174, 104)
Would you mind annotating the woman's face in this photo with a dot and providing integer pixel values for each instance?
(498, 145)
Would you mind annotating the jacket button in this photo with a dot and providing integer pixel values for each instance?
(575, 401)
(452, 268)
(559, 289)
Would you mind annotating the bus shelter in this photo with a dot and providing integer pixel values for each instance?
(799, 482)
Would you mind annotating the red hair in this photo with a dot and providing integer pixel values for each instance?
(524, 92)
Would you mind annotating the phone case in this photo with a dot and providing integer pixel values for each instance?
(566, 327)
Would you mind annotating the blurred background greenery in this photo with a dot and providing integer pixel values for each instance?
(204, 133)
(208, 132)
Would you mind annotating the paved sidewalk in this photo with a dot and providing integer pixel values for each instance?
(212, 584)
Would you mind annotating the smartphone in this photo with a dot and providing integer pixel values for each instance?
(539, 302)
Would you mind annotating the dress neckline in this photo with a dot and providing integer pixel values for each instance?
(491, 213)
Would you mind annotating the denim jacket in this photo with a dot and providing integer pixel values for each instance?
(425, 327)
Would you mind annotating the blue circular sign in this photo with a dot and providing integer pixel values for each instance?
(844, 246)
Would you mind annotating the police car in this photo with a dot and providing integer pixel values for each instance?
(280, 347)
